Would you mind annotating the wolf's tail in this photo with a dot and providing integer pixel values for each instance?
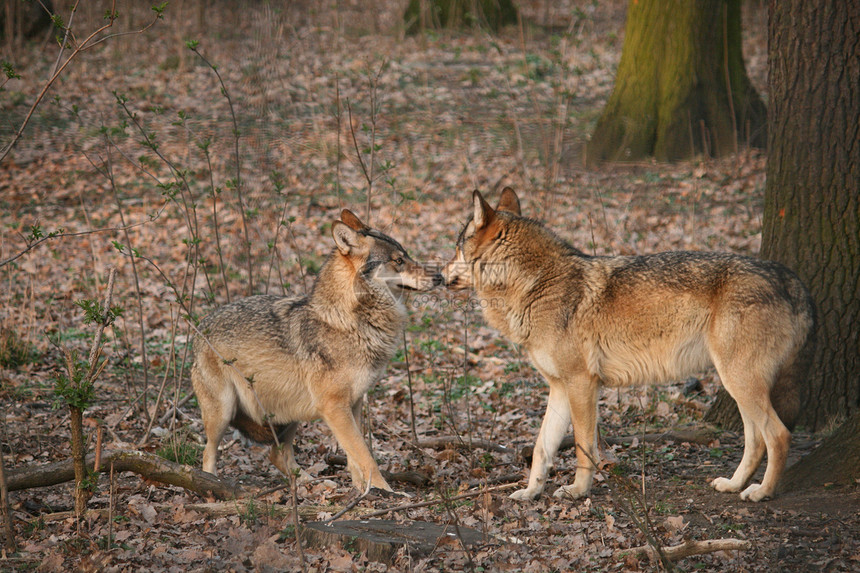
(789, 390)
(260, 433)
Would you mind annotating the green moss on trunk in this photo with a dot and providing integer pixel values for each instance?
(680, 63)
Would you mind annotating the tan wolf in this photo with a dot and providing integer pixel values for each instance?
(588, 321)
(265, 363)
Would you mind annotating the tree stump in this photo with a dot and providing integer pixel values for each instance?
(380, 539)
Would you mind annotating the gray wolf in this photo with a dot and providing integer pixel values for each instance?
(265, 363)
(592, 321)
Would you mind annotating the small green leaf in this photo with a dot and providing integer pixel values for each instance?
(159, 9)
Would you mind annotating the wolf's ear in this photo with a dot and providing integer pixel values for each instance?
(484, 214)
(345, 237)
(352, 221)
(509, 202)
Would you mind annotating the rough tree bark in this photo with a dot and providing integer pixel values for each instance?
(812, 198)
(836, 460)
(681, 87)
(812, 213)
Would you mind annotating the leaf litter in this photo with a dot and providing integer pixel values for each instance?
(442, 114)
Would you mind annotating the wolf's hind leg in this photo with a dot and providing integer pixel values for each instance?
(754, 449)
(778, 441)
(555, 423)
(283, 457)
(216, 418)
(217, 400)
(763, 432)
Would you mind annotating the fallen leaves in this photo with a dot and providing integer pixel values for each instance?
(456, 112)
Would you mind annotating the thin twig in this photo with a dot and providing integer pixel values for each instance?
(361, 164)
(237, 159)
(453, 517)
(61, 234)
(170, 358)
(295, 501)
(68, 30)
(109, 174)
(111, 505)
(214, 192)
(8, 531)
(409, 385)
(351, 504)
(417, 505)
(87, 44)
(729, 77)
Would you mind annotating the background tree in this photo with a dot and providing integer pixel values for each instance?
(812, 200)
(681, 87)
(423, 14)
(23, 19)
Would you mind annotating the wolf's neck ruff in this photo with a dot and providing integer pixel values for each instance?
(348, 301)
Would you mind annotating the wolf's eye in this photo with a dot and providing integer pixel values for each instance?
(398, 261)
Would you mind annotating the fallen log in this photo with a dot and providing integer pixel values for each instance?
(212, 509)
(380, 539)
(463, 443)
(241, 507)
(149, 466)
(417, 479)
(687, 549)
(702, 436)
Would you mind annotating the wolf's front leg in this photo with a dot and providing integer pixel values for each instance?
(582, 393)
(555, 424)
(362, 467)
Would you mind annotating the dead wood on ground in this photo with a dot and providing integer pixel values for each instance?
(702, 436)
(688, 549)
(148, 466)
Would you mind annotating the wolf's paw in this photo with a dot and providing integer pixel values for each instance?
(570, 492)
(755, 493)
(525, 495)
(724, 485)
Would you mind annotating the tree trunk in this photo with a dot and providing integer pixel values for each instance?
(422, 15)
(812, 199)
(834, 461)
(20, 20)
(681, 88)
(724, 413)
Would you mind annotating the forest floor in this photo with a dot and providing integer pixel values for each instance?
(137, 132)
